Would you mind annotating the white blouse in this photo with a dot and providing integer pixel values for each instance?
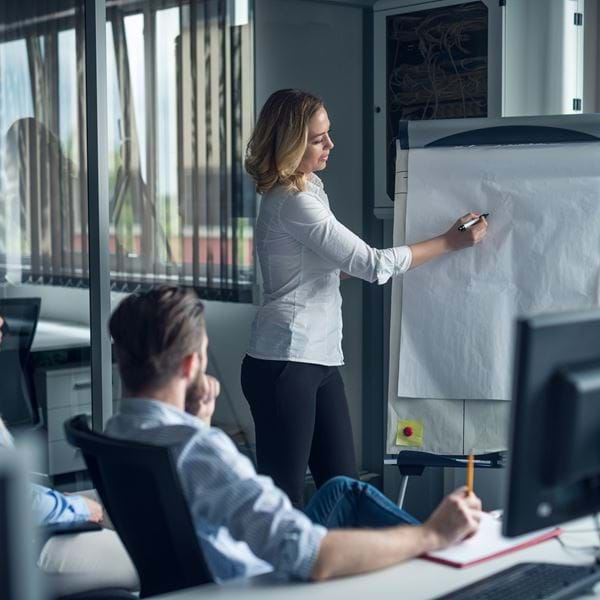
(302, 248)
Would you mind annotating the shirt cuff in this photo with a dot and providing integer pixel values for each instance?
(394, 261)
(405, 257)
(314, 537)
(79, 507)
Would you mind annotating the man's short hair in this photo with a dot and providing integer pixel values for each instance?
(153, 332)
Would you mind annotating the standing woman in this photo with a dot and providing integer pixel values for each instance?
(290, 374)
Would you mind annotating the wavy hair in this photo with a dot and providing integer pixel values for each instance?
(279, 140)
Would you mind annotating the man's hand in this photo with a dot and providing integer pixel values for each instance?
(1, 326)
(456, 518)
(96, 510)
(210, 391)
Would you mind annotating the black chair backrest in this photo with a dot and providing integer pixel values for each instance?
(21, 316)
(140, 488)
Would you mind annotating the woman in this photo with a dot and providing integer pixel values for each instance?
(290, 373)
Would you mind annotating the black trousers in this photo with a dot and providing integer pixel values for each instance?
(301, 417)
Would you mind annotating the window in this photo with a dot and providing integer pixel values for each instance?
(180, 108)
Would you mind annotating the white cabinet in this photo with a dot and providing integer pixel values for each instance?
(62, 393)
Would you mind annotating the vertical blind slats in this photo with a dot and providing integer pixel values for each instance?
(181, 207)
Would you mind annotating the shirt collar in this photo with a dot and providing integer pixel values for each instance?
(316, 181)
(166, 414)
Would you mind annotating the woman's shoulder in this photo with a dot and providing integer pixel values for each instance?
(303, 207)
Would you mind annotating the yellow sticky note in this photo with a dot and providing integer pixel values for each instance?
(409, 433)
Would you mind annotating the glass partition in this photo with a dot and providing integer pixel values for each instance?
(44, 259)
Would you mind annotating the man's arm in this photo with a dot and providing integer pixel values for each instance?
(350, 552)
(50, 506)
(345, 552)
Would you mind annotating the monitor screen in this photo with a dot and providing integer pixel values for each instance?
(554, 452)
(17, 400)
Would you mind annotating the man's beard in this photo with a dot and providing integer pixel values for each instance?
(193, 394)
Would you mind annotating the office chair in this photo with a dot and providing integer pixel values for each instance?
(141, 491)
(21, 318)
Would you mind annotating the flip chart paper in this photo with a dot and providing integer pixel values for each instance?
(542, 254)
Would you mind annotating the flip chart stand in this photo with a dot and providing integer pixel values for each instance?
(411, 462)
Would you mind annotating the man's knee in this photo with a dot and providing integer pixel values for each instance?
(343, 483)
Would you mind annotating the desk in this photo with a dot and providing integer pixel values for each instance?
(414, 580)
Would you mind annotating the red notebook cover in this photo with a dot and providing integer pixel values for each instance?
(488, 543)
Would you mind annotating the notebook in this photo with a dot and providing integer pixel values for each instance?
(488, 543)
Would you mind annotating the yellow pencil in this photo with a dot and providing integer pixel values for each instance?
(470, 472)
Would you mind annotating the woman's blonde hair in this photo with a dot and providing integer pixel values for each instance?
(279, 140)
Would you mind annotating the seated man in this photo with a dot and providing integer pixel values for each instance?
(244, 523)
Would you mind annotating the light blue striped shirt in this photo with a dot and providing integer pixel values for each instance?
(50, 506)
(245, 525)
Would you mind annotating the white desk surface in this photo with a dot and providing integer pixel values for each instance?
(54, 335)
(414, 580)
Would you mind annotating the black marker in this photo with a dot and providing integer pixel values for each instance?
(472, 222)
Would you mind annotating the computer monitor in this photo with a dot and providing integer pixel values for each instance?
(554, 451)
(17, 405)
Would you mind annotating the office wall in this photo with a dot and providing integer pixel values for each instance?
(318, 47)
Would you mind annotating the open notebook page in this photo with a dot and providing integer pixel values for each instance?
(488, 543)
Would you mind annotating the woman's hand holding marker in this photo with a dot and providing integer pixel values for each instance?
(467, 231)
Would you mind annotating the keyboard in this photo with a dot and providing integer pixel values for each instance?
(531, 581)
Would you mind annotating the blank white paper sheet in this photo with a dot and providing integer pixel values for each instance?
(541, 254)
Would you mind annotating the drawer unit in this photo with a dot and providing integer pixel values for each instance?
(57, 417)
(65, 387)
(64, 392)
